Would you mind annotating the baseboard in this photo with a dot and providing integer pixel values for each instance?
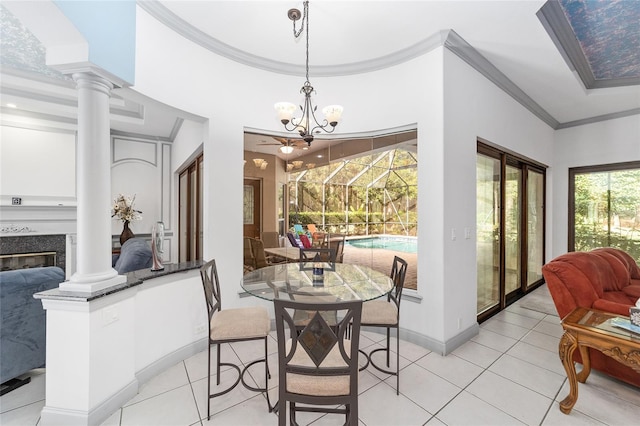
(169, 360)
(461, 338)
(52, 416)
(437, 346)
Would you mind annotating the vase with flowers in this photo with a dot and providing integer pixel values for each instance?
(123, 209)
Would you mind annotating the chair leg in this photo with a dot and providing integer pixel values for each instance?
(353, 414)
(267, 376)
(388, 344)
(209, 383)
(398, 361)
(218, 365)
(282, 412)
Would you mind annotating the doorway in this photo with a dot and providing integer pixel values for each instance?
(190, 212)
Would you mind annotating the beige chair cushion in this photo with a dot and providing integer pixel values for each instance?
(240, 323)
(379, 312)
(318, 385)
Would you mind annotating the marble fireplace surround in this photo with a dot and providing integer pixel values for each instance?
(25, 244)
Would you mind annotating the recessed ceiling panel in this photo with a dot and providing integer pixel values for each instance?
(599, 39)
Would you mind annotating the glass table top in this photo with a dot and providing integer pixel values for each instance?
(610, 323)
(339, 282)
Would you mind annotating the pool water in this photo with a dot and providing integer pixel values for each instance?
(403, 244)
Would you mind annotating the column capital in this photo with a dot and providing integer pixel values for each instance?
(92, 81)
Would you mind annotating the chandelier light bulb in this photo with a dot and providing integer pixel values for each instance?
(333, 113)
(285, 111)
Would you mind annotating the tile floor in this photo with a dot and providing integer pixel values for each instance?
(509, 374)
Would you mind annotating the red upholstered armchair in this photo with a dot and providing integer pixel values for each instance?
(605, 278)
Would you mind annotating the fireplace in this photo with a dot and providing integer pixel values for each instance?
(10, 262)
(31, 251)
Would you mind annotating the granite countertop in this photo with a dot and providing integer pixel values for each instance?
(133, 279)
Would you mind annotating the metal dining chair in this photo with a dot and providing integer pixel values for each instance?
(318, 367)
(386, 313)
(229, 326)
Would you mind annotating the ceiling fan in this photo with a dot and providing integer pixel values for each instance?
(286, 142)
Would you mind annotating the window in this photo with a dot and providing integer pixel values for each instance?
(604, 207)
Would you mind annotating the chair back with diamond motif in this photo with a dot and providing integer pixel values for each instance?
(318, 365)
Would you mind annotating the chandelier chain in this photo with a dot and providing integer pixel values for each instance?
(306, 17)
(307, 124)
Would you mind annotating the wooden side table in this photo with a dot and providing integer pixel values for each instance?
(589, 328)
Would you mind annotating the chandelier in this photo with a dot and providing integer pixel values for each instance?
(307, 124)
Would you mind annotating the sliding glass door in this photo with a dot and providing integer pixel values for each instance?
(488, 231)
(510, 228)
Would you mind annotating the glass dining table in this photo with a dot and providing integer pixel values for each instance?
(338, 282)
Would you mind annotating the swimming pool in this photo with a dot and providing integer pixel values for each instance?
(403, 244)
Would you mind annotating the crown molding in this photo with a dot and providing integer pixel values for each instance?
(139, 136)
(31, 126)
(185, 29)
(604, 117)
(6, 111)
(470, 55)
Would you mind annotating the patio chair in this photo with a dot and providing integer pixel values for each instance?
(260, 258)
(249, 260)
(318, 367)
(381, 313)
(270, 239)
(336, 242)
(311, 228)
(319, 239)
(294, 241)
(298, 229)
(305, 241)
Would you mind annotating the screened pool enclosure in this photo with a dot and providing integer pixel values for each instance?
(374, 193)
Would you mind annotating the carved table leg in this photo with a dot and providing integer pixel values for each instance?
(568, 344)
(586, 364)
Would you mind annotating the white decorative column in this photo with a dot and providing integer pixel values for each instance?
(93, 177)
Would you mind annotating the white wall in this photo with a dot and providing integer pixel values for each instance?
(37, 165)
(473, 107)
(187, 144)
(606, 142)
(451, 103)
(448, 126)
(225, 93)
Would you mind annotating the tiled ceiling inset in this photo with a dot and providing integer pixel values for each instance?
(599, 39)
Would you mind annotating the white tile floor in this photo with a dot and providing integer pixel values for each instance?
(509, 374)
